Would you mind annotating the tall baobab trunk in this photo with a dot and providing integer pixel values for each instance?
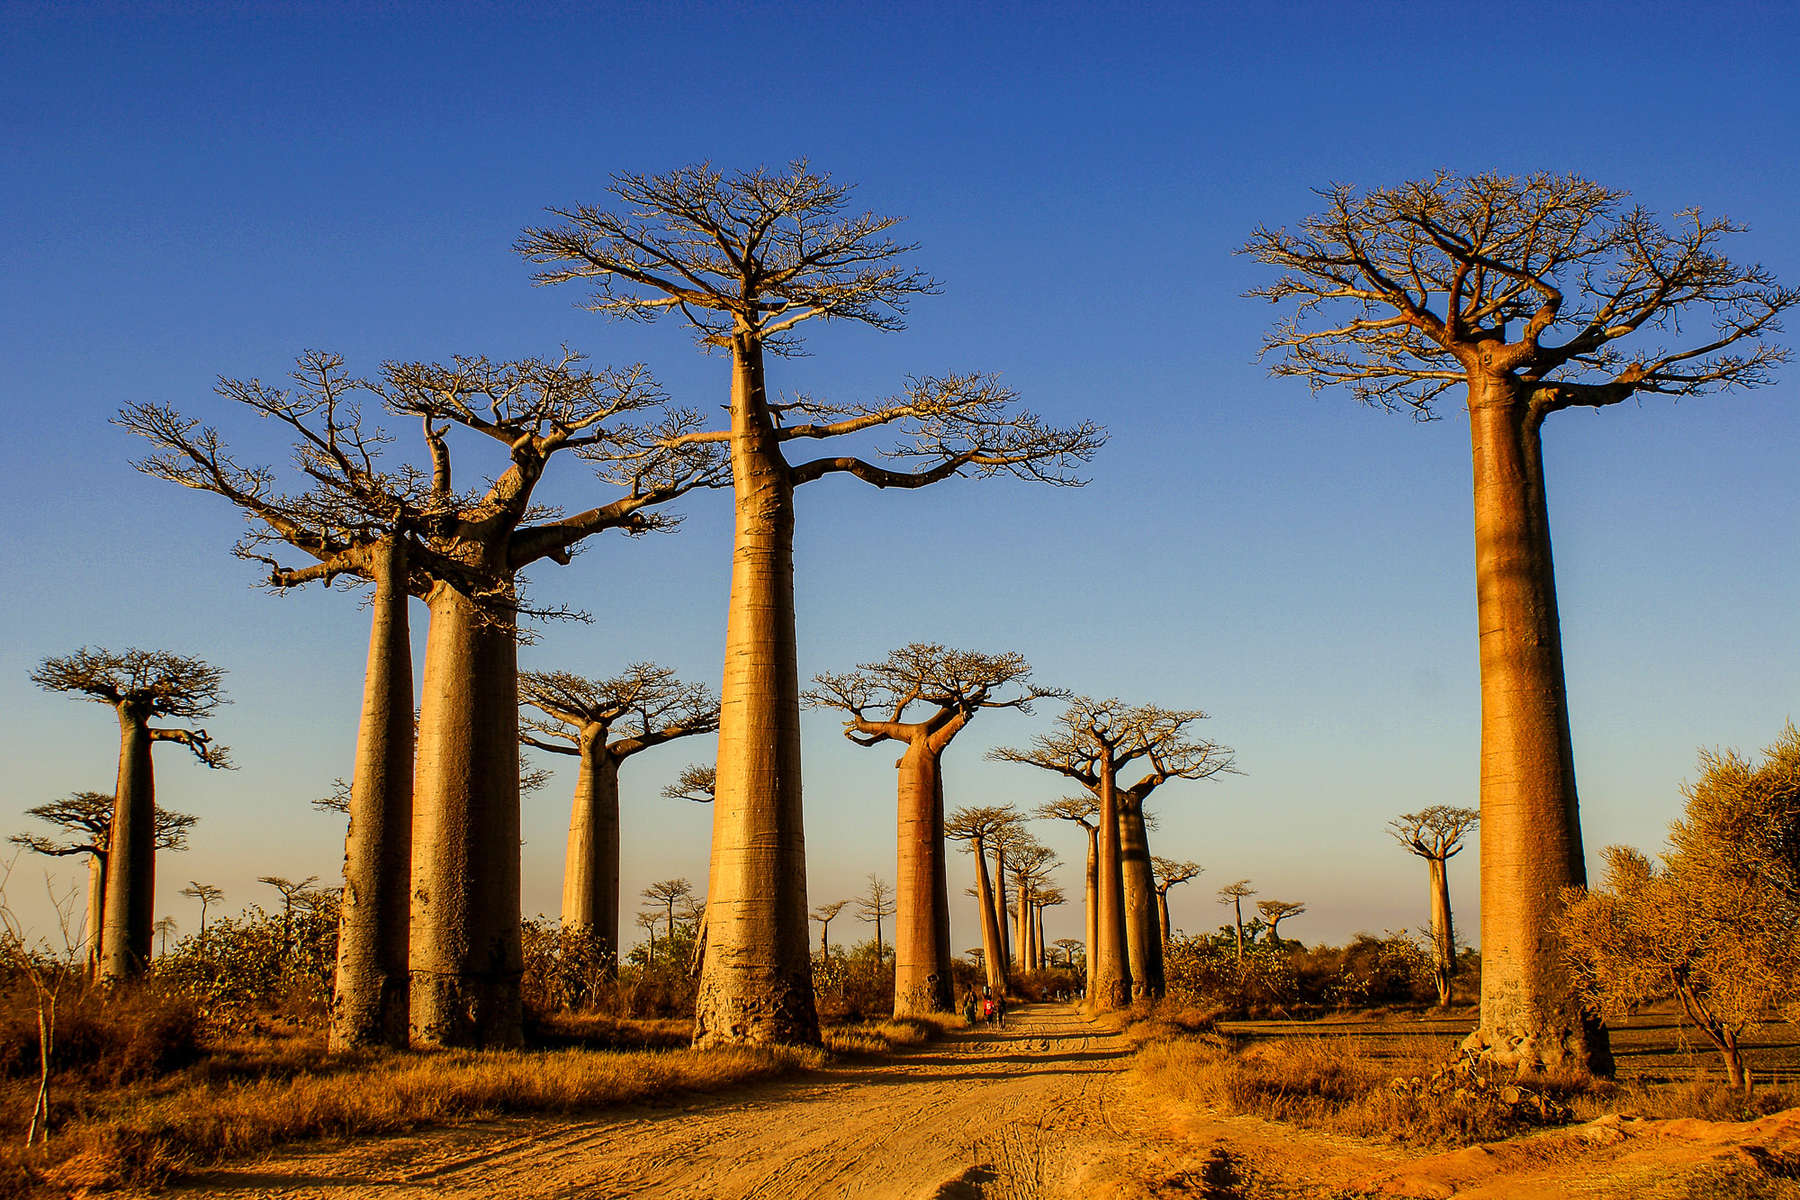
(993, 949)
(126, 918)
(96, 909)
(922, 979)
(1143, 940)
(590, 897)
(756, 982)
(373, 969)
(1443, 934)
(466, 955)
(1531, 827)
(1003, 910)
(1091, 898)
(1111, 972)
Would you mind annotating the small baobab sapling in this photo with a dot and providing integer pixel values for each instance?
(87, 818)
(747, 259)
(1532, 295)
(1170, 873)
(921, 696)
(1436, 834)
(140, 686)
(603, 722)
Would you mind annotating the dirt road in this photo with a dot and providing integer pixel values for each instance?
(1013, 1113)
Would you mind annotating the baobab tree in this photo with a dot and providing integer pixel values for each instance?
(1233, 894)
(1435, 833)
(977, 826)
(462, 551)
(140, 686)
(87, 818)
(873, 905)
(1170, 873)
(1274, 912)
(748, 259)
(1533, 295)
(603, 722)
(669, 893)
(1093, 740)
(824, 915)
(1083, 810)
(940, 690)
(207, 895)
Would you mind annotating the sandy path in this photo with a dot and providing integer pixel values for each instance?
(985, 1113)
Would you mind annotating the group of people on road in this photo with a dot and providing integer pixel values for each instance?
(989, 1007)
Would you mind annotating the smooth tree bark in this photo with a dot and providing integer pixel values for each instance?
(140, 686)
(1093, 741)
(1083, 810)
(977, 826)
(747, 259)
(1436, 834)
(941, 690)
(87, 818)
(1524, 293)
(1170, 873)
(603, 722)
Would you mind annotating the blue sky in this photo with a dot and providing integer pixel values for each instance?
(194, 191)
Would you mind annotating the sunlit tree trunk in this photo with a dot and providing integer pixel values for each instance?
(993, 950)
(1531, 830)
(371, 1004)
(922, 980)
(1091, 898)
(1142, 931)
(756, 980)
(590, 898)
(466, 954)
(1111, 986)
(127, 916)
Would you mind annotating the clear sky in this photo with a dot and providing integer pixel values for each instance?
(200, 190)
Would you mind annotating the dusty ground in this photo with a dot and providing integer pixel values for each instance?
(1045, 1108)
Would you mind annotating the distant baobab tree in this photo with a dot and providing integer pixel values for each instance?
(87, 818)
(1093, 741)
(873, 905)
(747, 259)
(1524, 293)
(977, 826)
(140, 686)
(921, 696)
(603, 722)
(207, 895)
(824, 915)
(1082, 810)
(1233, 894)
(1274, 912)
(1170, 873)
(1435, 834)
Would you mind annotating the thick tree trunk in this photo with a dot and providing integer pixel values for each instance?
(1443, 934)
(756, 981)
(922, 980)
(1162, 914)
(373, 971)
(590, 898)
(1091, 899)
(127, 917)
(1530, 823)
(466, 956)
(96, 910)
(1143, 937)
(993, 951)
(1111, 987)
